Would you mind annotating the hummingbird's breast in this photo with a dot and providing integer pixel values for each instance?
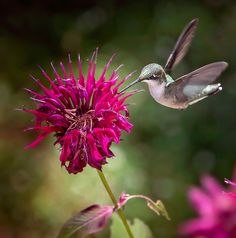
(161, 94)
(157, 90)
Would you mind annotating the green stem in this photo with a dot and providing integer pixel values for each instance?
(113, 199)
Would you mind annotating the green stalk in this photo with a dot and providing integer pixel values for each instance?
(113, 199)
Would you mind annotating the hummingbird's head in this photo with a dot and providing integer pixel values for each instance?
(148, 74)
(152, 72)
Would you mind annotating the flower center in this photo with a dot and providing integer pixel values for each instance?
(82, 122)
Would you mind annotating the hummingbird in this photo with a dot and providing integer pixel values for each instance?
(190, 88)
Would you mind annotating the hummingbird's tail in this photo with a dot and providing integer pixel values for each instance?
(207, 91)
(212, 89)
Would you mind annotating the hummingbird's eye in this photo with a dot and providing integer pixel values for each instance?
(155, 76)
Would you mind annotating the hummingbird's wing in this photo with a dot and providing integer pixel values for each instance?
(181, 46)
(190, 85)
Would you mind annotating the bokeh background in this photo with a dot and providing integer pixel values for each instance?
(168, 150)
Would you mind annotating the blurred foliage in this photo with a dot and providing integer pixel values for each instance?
(139, 229)
(167, 151)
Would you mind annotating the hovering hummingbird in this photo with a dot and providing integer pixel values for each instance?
(184, 91)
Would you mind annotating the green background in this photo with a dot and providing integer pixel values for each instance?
(167, 151)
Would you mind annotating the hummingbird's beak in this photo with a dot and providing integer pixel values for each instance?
(130, 85)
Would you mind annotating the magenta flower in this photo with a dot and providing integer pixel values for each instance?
(217, 212)
(85, 115)
(232, 193)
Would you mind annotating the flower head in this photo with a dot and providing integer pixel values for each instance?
(85, 115)
(217, 212)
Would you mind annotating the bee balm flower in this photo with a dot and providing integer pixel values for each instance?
(216, 212)
(84, 114)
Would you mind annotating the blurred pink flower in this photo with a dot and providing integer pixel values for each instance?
(85, 115)
(231, 194)
(217, 212)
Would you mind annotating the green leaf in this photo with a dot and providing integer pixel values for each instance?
(117, 228)
(159, 208)
(138, 227)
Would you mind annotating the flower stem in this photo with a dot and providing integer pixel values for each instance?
(113, 199)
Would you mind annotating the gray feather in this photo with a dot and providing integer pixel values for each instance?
(202, 76)
(197, 83)
(181, 46)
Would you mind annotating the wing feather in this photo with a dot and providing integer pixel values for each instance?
(181, 46)
(204, 75)
(190, 85)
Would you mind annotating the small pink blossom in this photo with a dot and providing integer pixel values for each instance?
(85, 115)
(217, 212)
